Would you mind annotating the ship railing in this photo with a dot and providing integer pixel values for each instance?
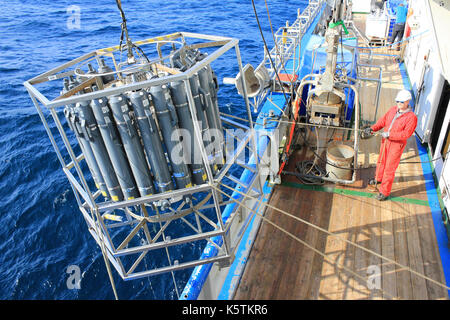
(378, 79)
(287, 47)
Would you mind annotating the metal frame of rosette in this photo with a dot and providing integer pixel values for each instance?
(140, 226)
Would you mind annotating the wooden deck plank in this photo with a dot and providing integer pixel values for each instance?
(374, 262)
(278, 243)
(248, 287)
(407, 213)
(328, 271)
(419, 286)
(302, 282)
(389, 283)
(431, 259)
(270, 261)
(404, 288)
(402, 249)
(285, 287)
(384, 228)
(316, 272)
(362, 238)
(354, 290)
(335, 251)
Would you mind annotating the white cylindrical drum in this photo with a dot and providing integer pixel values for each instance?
(340, 155)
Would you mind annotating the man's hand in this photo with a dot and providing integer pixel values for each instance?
(385, 135)
(368, 131)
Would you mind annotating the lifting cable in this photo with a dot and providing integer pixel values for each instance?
(291, 80)
(334, 235)
(268, 53)
(129, 44)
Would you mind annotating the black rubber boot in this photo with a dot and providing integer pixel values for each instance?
(381, 197)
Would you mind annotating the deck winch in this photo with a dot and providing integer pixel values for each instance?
(331, 102)
(326, 108)
(326, 102)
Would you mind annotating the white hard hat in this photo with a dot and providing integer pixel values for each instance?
(403, 95)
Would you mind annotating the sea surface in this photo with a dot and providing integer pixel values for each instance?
(42, 231)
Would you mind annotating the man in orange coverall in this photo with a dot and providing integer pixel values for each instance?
(399, 124)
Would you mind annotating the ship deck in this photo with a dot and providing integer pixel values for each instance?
(400, 229)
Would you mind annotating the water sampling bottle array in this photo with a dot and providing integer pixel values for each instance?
(129, 139)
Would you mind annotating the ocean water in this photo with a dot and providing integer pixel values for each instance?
(42, 231)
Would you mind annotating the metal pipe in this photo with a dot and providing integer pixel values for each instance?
(175, 267)
(90, 198)
(168, 123)
(162, 244)
(249, 115)
(379, 84)
(105, 206)
(51, 72)
(151, 139)
(180, 102)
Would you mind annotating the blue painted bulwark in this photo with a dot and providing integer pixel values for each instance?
(436, 212)
(432, 194)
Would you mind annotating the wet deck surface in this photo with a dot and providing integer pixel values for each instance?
(401, 229)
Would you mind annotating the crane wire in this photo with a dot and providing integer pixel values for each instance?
(99, 218)
(273, 65)
(275, 42)
(268, 52)
(130, 45)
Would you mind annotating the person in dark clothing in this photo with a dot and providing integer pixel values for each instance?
(378, 4)
(399, 26)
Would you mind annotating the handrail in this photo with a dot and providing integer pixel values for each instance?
(379, 83)
(287, 39)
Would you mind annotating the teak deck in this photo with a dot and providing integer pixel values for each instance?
(280, 267)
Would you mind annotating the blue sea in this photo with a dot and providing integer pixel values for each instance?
(42, 231)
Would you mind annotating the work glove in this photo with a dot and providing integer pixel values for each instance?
(385, 135)
(368, 131)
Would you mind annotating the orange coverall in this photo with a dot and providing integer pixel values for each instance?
(389, 158)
